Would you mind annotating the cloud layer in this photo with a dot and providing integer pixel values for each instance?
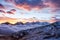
(35, 8)
(54, 4)
(28, 4)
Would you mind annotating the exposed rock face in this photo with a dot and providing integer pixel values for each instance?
(48, 32)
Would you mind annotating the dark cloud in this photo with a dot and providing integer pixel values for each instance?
(54, 4)
(29, 2)
(8, 0)
(13, 10)
(2, 7)
(9, 12)
(2, 11)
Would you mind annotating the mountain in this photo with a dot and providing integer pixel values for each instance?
(27, 23)
(27, 32)
(8, 29)
(57, 24)
(47, 32)
(39, 23)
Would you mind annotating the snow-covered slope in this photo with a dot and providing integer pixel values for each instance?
(7, 28)
(33, 31)
(47, 32)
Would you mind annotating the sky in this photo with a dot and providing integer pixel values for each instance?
(29, 10)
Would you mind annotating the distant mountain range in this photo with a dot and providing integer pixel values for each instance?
(27, 23)
(7, 28)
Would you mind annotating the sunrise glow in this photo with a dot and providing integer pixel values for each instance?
(14, 11)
